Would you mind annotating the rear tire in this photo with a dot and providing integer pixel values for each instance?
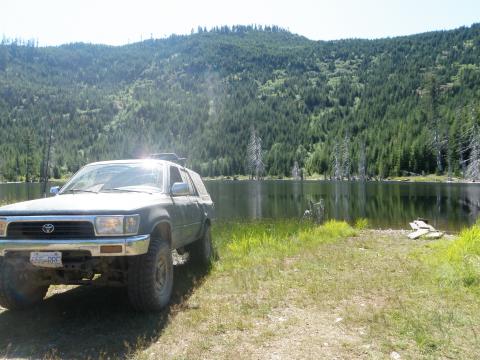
(150, 277)
(18, 290)
(201, 251)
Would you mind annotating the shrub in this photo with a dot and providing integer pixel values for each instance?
(361, 224)
(459, 260)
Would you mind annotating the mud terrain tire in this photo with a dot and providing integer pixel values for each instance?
(18, 290)
(150, 277)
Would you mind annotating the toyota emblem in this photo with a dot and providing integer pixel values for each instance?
(48, 228)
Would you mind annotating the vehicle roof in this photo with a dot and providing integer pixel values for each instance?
(137, 161)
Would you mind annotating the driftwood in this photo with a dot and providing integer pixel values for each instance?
(422, 229)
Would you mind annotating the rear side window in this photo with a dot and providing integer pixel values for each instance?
(187, 180)
(202, 190)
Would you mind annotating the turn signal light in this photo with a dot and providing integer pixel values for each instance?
(111, 249)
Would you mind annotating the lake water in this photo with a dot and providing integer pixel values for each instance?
(448, 207)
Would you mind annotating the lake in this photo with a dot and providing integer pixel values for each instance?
(448, 207)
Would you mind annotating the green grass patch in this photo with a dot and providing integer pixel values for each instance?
(361, 224)
(458, 261)
(243, 244)
(425, 178)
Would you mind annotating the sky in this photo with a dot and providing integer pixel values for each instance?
(117, 22)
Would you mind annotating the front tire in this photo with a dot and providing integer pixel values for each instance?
(150, 277)
(18, 289)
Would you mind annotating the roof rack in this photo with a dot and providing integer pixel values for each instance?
(169, 157)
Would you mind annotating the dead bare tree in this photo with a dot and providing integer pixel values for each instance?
(362, 162)
(459, 140)
(296, 171)
(473, 167)
(254, 155)
(46, 160)
(346, 163)
(431, 93)
(473, 161)
(336, 162)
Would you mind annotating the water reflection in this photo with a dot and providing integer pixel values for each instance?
(386, 204)
(13, 192)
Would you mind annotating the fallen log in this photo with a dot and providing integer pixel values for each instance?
(416, 234)
(423, 225)
(421, 228)
(434, 235)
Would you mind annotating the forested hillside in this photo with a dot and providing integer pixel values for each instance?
(341, 108)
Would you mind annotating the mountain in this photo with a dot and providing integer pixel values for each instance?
(390, 106)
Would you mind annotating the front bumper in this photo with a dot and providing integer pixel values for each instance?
(130, 245)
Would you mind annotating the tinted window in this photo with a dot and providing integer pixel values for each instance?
(174, 175)
(202, 191)
(186, 178)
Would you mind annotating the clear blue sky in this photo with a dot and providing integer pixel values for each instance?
(116, 22)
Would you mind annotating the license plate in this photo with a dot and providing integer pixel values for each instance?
(51, 259)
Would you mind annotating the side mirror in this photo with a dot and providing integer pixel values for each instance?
(54, 190)
(180, 189)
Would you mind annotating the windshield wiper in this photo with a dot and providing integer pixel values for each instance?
(79, 190)
(126, 190)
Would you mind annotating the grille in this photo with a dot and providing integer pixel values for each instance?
(62, 230)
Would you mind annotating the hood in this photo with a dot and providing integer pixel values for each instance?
(85, 203)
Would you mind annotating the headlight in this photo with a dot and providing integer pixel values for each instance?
(117, 225)
(109, 225)
(3, 227)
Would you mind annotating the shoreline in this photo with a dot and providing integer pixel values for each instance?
(316, 177)
(412, 179)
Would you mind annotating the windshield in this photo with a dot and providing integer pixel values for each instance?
(137, 177)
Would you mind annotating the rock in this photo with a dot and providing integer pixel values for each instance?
(395, 356)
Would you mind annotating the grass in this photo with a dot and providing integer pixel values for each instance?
(426, 178)
(361, 224)
(249, 244)
(278, 289)
(302, 291)
(459, 261)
